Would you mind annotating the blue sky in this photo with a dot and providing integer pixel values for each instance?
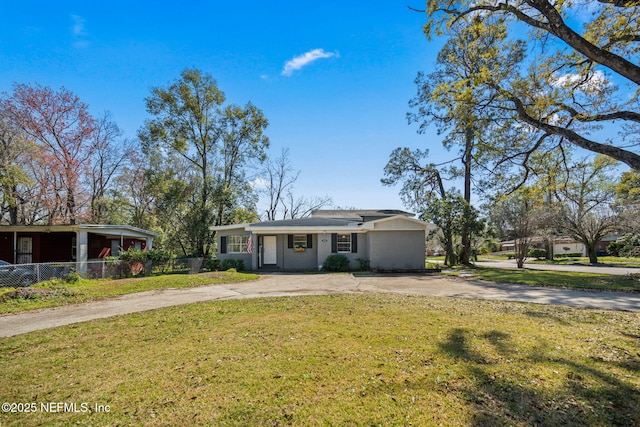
(340, 109)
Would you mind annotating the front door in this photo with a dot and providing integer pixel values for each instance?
(25, 250)
(270, 248)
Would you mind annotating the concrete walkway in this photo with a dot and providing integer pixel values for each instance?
(313, 284)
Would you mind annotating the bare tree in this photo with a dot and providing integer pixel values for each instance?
(110, 155)
(280, 177)
(302, 207)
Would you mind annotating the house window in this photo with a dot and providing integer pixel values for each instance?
(74, 247)
(344, 243)
(237, 244)
(300, 242)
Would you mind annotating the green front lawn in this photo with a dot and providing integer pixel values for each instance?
(608, 260)
(345, 360)
(592, 281)
(55, 293)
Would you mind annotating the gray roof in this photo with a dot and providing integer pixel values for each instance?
(306, 222)
(358, 214)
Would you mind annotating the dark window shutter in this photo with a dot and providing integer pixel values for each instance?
(334, 243)
(223, 244)
(354, 243)
(309, 241)
(290, 241)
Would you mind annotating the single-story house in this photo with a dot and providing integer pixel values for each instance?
(563, 245)
(390, 240)
(24, 244)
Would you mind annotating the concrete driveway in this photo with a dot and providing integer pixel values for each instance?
(273, 285)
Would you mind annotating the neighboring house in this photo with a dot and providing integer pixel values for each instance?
(24, 244)
(390, 240)
(564, 244)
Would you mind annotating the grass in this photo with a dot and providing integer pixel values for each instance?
(55, 293)
(559, 260)
(593, 281)
(348, 360)
(606, 260)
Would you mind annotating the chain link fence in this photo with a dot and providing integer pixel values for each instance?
(21, 275)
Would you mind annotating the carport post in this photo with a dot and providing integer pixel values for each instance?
(82, 251)
(15, 247)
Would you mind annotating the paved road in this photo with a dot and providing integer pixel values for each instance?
(598, 269)
(312, 284)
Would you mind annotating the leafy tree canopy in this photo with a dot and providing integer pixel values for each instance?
(579, 73)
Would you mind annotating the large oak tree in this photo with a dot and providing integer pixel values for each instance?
(210, 144)
(582, 70)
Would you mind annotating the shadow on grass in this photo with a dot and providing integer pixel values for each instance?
(562, 392)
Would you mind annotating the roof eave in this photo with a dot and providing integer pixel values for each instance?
(303, 230)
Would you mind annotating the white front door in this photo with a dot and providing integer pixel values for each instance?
(270, 250)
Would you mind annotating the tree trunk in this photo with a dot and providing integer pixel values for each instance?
(449, 258)
(465, 255)
(520, 252)
(592, 253)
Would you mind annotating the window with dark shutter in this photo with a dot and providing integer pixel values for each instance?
(334, 243)
(223, 244)
(343, 242)
(309, 241)
(354, 243)
(290, 241)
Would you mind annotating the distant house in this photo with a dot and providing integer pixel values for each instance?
(563, 244)
(23, 244)
(390, 240)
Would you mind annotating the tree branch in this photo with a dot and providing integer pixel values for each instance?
(628, 157)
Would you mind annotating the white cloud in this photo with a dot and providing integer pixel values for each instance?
(78, 25)
(305, 59)
(595, 82)
(259, 183)
(79, 32)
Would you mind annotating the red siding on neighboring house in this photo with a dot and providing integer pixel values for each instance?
(6, 247)
(97, 244)
(53, 247)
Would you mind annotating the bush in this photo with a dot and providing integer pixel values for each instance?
(626, 246)
(159, 258)
(336, 262)
(363, 264)
(73, 277)
(569, 255)
(212, 264)
(134, 256)
(228, 264)
(538, 253)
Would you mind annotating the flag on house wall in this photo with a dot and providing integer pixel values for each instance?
(250, 245)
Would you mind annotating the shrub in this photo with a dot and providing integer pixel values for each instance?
(212, 264)
(626, 246)
(363, 264)
(538, 253)
(133, 256)
(228, 264)
(72, 277)
(159, 258)
(336, 262)
(569, 255)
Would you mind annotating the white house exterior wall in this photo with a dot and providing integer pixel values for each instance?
(246, 257)
(396, 250)
(558, 248)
